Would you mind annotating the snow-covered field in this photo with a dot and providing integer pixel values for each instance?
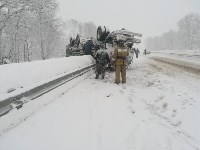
(17, 78)
(156, 110)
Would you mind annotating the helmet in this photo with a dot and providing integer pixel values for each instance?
(121, 41)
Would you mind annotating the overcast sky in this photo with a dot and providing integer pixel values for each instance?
(149, 17)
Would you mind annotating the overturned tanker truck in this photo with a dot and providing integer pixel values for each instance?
(81, 46)
(108, 40)
(105, 40)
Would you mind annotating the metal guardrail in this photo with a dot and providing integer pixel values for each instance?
(17, 101)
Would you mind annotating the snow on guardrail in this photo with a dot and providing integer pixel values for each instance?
(16, 78)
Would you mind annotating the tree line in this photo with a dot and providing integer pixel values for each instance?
(30, 30)
(187, 36)
(84, 29)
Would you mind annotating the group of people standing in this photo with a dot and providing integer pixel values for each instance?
(118, 59)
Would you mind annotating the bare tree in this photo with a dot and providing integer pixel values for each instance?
(189, 31)
(29, 30)
(187, 36)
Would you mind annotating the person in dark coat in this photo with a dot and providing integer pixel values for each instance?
(102, 59)
(88, 47)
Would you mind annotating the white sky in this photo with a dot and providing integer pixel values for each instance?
(149, 17)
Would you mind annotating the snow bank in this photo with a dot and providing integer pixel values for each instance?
(190, 52)
(15, 77)
(191, 65)
(187, 55)
(189, 59)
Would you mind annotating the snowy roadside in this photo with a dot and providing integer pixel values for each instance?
(188, 65)
(18, 116)
(18, 78)
(189, 59)
(187, 52)
(156, 109)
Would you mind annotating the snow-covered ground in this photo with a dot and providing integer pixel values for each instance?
(17, 78)
(189, 59)
(157, 109)
(188, 52)
(192, 56)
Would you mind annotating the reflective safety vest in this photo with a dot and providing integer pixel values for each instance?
(122, 53)
(119, 56)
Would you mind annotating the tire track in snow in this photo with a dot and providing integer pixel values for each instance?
(156, 83)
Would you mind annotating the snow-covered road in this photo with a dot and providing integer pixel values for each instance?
(156, 110)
